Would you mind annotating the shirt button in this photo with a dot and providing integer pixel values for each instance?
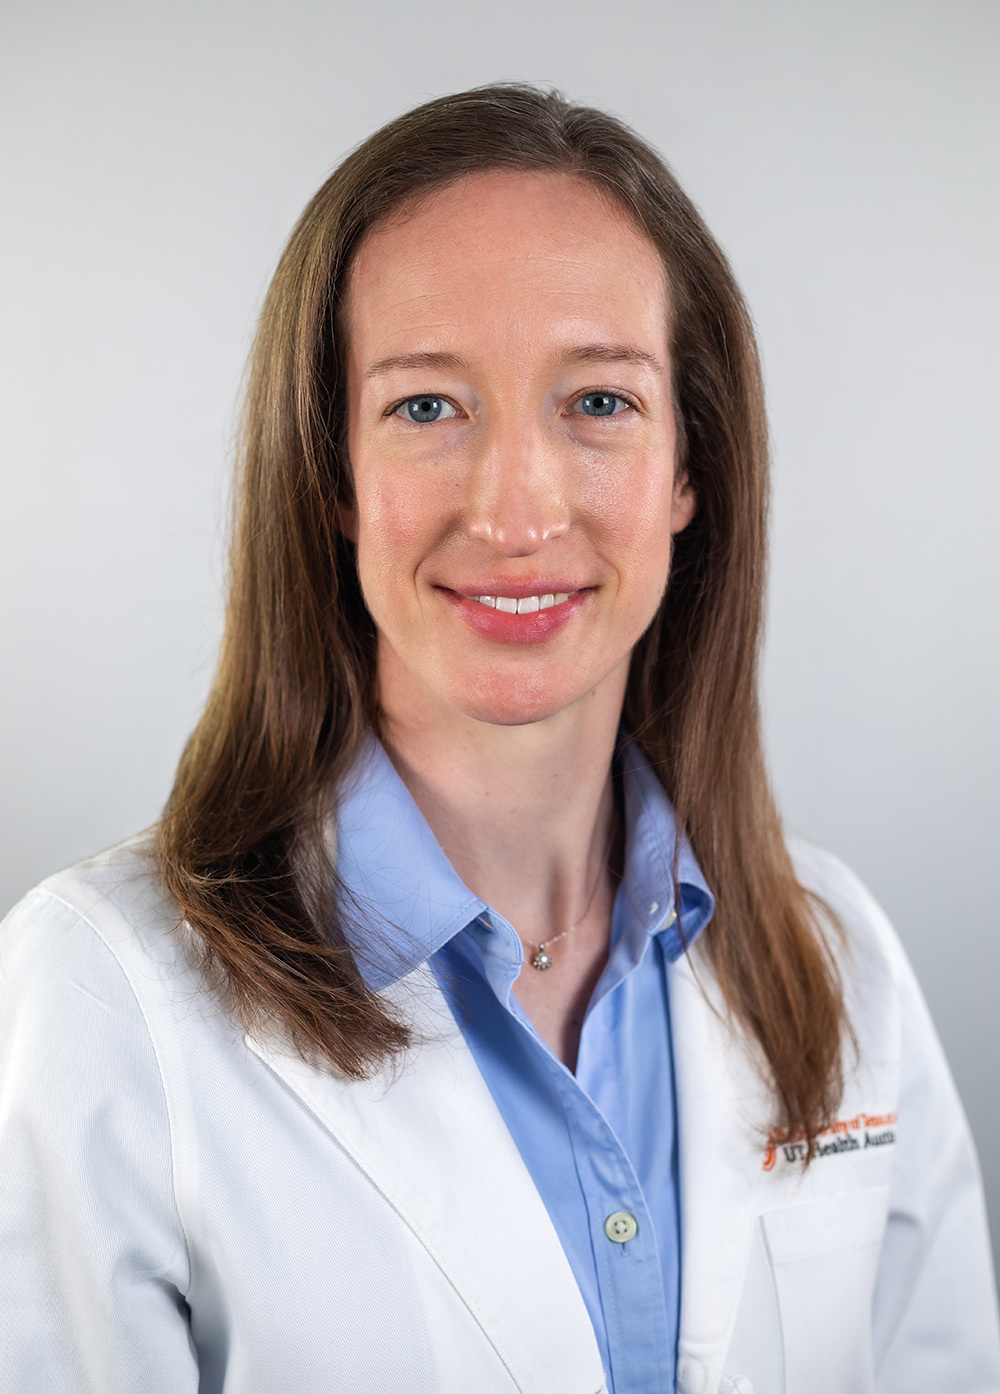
(620, 1227)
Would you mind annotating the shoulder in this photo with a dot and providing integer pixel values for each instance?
(116, 890)
(827, 877)
(891, 1026)
(106, 1026)
(102, 929)
(123, 877)
(886, 1010)
(82, 960)
(862, 938)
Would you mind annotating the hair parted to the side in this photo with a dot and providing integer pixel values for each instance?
(242, 843)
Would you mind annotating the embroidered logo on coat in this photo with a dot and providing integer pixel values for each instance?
(843, 1135)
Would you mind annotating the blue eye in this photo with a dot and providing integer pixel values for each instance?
(425, 409)
(601, 404)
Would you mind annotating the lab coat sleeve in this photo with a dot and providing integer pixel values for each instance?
(935, 1315)
(95, 1263)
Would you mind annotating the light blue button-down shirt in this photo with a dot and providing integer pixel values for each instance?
(596, 1142)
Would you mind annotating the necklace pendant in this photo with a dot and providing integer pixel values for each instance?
(541, 959)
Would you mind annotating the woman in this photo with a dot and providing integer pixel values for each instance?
(467, 1023)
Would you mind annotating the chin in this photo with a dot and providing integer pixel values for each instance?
(506, 703)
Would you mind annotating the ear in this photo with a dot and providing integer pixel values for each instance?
(684, 504)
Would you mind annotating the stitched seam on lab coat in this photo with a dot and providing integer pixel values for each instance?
(171, 1131)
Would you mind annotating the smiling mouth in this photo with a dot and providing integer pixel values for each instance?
(526, 605)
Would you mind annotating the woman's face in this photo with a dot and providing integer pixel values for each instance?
(512, 437)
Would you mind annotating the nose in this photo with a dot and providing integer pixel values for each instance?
(516, 497)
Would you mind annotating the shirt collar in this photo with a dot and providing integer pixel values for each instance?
(678, 912)
(403, 900)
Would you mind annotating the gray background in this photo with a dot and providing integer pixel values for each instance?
(846, 156)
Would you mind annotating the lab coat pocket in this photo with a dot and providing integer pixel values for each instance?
(824, 1256)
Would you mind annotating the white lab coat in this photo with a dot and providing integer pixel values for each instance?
(184, 1209)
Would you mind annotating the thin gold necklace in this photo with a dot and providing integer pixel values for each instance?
(541, 959)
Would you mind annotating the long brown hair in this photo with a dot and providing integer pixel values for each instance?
(243, 841)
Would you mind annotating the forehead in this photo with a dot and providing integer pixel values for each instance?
(508, 255)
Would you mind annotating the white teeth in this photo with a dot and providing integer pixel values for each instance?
(527, 605)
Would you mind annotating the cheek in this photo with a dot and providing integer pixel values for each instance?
(390, 519)
(634, 510)
(398, 525)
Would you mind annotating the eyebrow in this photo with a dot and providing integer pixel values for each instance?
(582, 353)
(611, 353)
(413, 360)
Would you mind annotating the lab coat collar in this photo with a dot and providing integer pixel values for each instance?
(411, 901)
(430, 1138)
(721, 1099)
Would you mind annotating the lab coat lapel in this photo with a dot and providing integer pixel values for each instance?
(430, 1138)
(721, 1106)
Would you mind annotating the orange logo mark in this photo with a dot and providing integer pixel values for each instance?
(795, 1143)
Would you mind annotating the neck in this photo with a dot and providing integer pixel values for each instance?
(525, 814)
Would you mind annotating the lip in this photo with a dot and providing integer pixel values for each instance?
(517, 590)
(517, 629)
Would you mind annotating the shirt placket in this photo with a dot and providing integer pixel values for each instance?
(625, 1249)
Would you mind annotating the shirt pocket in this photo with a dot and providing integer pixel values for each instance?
(824, 1255)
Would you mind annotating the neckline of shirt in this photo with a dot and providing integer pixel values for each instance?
(402, 900)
